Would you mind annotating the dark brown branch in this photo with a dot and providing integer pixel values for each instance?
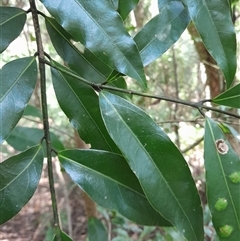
(41, 59)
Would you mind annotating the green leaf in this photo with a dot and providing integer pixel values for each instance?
(12, 21)
(84, 63)
(163, 3)
(222, 166)
(230, 97)
(228, 129)
(109, 181)
(125, 7)
(162, 31)
(17, 80)
(22, 138)
(32, 111)
(100, 28)
(161, 169)
(96, 230)
(213, 21)
(64, 237)
(19, 177)
(80, 104)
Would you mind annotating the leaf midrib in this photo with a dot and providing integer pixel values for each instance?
(90, 116)
(155, 37)
(154, 165)
(223, 174)
(104, 176)
(19, 174)
(113, 43)
(74, 48)
(11, 18)
(12, 86)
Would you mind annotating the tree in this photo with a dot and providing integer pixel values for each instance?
(132, 166)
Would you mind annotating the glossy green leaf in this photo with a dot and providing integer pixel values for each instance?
(84, 63)
(213, 21)
(163, 3)
(22, 138)
(12, 21)
(19, 177)
(162, 31)
(161, 169)
(109, 181)
(17, 80)
(64, 237)
(80, 104)
(222, 166)
(230, 97)
(228, 129)
(32, 111)
(100, 28)
(125, 7)
(96, 230)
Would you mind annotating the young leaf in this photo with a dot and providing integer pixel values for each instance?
(230, 97)
(162, 31)
(100, 28)
(85, 63)
(17, 80)
(22, 138)
(125, 7)
(161, 169)
(19, 177)
(222, 166)
(109, 181)
(80, 104)
(12, 21)
(96, 230)
(64, 237)
(213, 21)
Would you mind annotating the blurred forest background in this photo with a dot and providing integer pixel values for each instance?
(186, 71)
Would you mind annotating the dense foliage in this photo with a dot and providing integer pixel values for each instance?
(132, 166)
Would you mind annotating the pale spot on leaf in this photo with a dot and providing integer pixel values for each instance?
(225, 231)
(221, 204)
(221, 146)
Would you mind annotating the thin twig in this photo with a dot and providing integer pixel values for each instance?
(41, 59)
(198, 105)
(192, 145)
(176, 127)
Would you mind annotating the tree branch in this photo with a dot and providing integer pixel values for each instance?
(41, 58)
(198, 105)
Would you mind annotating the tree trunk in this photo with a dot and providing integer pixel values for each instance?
(212, 72)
